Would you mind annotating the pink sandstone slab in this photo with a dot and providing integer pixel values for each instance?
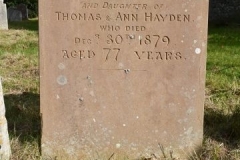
(121, 78)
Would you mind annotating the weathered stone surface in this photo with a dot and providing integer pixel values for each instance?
(14, 14)
(122, 77)
(5, 150)
(3, 16)
(23, 8)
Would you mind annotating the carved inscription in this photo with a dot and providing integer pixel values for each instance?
(126, 17)
(121, 27)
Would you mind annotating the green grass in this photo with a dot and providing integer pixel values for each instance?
(223, 68)
(20, 76)
(21, 38)
(222, 105)
(19, 69)
(223, 57)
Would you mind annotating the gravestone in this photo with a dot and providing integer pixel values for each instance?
(14, 14)
(3, 16)
(5, 150)
(122, 79)
(23, 8)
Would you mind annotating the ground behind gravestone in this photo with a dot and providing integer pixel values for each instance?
(19, 69)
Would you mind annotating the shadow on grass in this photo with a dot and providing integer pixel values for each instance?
(222, 135)
(224, 128)
(31, 25)
(23, 115)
